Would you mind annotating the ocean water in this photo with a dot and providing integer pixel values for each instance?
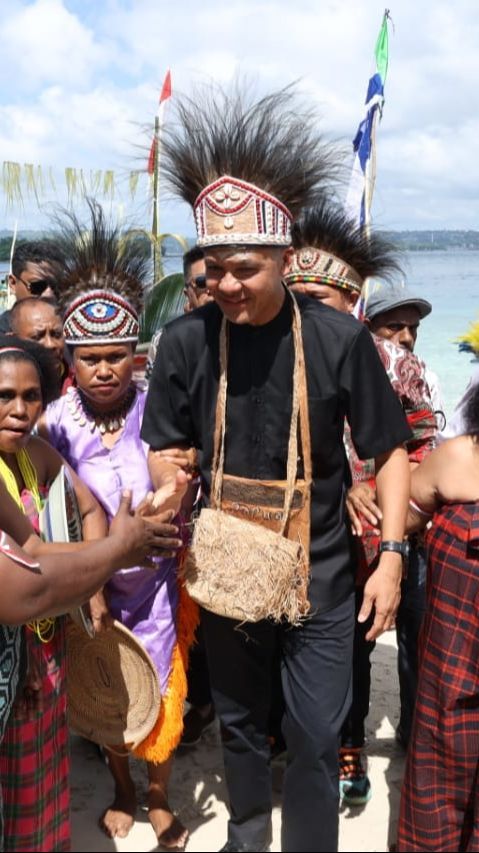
(450, 281)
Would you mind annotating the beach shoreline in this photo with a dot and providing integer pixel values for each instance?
(198, 794)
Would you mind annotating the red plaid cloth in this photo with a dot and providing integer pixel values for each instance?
(407, 375)
(34, 756)
(34, 760)
(439, 802)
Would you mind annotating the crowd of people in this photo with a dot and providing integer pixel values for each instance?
(286, 397)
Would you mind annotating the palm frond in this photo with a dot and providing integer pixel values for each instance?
(162, 303)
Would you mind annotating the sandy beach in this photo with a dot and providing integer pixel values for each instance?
(198, 791)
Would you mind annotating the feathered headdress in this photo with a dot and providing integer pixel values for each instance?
(104, 279)
(331, 249)
(470, 341)
(246, 167)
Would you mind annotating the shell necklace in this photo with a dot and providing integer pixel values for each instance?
(84, 414)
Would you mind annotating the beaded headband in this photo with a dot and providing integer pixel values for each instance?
(234, 212)
(318, 267)
(100, 317)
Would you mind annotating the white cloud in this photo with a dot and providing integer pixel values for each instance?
(83, 76)
(43, 43)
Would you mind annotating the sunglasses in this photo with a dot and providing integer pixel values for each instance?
(39, 285)
(198, 282)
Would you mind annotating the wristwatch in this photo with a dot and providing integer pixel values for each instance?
(393, 545)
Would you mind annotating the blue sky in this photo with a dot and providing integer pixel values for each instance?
(81, 82)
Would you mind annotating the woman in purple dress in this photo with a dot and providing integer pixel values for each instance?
(96, 425)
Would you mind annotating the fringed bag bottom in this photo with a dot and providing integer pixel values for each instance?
(244, 571)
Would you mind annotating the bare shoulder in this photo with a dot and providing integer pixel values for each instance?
(462, 448)
(457, 468)
(46, 460)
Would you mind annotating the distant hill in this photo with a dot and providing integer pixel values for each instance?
(430, 241)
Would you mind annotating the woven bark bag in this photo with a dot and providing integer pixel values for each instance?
(249, 555)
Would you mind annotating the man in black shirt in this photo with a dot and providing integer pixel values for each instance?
(244, 228)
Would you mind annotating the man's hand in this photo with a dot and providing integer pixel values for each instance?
(171, 493)
(185, 459)
(99, 612)
(361, 500)
(138, 539)
(383, 592)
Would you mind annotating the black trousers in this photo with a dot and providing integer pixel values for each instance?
(199, 692)
(316, 661)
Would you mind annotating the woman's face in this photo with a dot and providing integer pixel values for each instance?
(20, 403)
(104, 373)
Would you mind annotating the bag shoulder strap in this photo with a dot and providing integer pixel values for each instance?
(299, 409)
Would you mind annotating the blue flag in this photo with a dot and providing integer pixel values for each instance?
(361, 186)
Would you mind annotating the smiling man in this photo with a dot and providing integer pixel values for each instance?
(247, 169)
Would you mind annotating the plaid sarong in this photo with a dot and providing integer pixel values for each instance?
(439, 802)
(34, 760)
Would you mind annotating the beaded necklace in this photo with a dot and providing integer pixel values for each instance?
(43, 628)
(84, 414)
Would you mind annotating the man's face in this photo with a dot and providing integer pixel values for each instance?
(196, 292)
(247, 283)
(35, 280)
(38, 321)
(336, 297)
(399, 325)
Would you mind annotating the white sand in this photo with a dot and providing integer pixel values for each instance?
(197, 791)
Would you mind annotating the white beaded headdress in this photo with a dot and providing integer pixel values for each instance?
(246, 168)
(100, 317)
(105, 274)
(331, 249)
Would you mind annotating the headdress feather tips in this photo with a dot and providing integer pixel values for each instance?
(104, 280)
(246, 166)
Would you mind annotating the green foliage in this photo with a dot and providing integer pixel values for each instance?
(5, 248)
(163, 302)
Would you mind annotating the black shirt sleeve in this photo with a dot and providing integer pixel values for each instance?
(167, 419)
(373, 411)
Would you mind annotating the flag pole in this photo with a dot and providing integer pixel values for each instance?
(363, 176)
(360, 192)
(155, 227)
(154, 170)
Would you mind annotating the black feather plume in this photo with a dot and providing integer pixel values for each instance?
(326, 226)
(273, 143)
(100, 255)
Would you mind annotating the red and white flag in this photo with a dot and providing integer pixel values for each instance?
(164, 95)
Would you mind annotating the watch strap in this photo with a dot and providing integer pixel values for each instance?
(394, 545)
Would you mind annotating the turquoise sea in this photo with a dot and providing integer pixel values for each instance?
(450, 281)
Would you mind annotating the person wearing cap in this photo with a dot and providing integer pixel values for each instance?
(332, 259)
(394, 313)
(97, 425)
(241, 166)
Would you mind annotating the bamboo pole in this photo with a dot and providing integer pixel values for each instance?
(155, 228)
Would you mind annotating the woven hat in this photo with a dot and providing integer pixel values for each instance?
(113, 689)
